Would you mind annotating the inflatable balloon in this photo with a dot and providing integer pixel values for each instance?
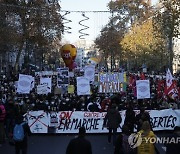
(68, 54)
(93, 60)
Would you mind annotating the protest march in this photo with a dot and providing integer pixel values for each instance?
(61, 101)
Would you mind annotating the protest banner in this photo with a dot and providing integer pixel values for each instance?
(63, 76)
(46, 81)
(69, 121)
(83, 86)
(111, 82)
(143, 89)
(24, 84)
(42, 89)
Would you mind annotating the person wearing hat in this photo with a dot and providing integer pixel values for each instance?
(79, 145)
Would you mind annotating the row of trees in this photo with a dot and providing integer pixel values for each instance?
(31, 28)
(138, 34)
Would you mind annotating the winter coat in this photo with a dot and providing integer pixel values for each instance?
(112, 118)
(79, 145)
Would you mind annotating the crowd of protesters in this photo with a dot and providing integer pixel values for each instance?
(18, 104)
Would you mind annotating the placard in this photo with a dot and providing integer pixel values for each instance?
(143, 89)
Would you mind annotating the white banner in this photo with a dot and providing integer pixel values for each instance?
(69, 122)
(45, 73)
(83, 86)
(143, 89)
(89, 72)
(46, 81)
(42, 89)
(24, 84)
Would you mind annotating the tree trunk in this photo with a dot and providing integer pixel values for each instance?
(171, 54)
(18, 57)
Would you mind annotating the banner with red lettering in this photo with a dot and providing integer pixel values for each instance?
(69, 122)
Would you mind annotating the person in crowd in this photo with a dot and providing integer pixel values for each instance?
(106, 102)
(146, 147)
(21, 145)
(141, 117)
(112, 121)
(12, 112)
(94, 106)
(79, 145)
(130, 118)
(122, 146)
(174, 146)
(2, 121)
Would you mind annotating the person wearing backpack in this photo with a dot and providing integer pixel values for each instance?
(20, 135)
(2, 120)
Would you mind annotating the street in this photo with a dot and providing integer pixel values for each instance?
(56, 144)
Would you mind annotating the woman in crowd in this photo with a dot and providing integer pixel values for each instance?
(146, 147)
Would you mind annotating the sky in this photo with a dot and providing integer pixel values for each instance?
(96, 20)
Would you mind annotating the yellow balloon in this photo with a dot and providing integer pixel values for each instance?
(71, 48)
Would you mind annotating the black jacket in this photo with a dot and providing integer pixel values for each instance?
(112, 118)
(79, 145)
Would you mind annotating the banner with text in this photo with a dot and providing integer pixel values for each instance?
(63, 76)
(69, 122)
(111, 82)
(48, 82)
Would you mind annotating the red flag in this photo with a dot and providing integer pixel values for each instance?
(132, 84)
(131, 81)
(160, 88)
(172, 91)
(171, 86)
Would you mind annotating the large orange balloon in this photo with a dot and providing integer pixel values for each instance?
(68, 53)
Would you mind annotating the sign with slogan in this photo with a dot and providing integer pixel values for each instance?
(25, 84)
(83, 86)
(47, 82)
(69, 121)
(42, 89)
(38, 121)
(143, 89)
(89, 72)
(112, 82)
(46, 74)
(63, 76)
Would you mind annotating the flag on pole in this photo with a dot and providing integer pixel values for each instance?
(171, 86)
